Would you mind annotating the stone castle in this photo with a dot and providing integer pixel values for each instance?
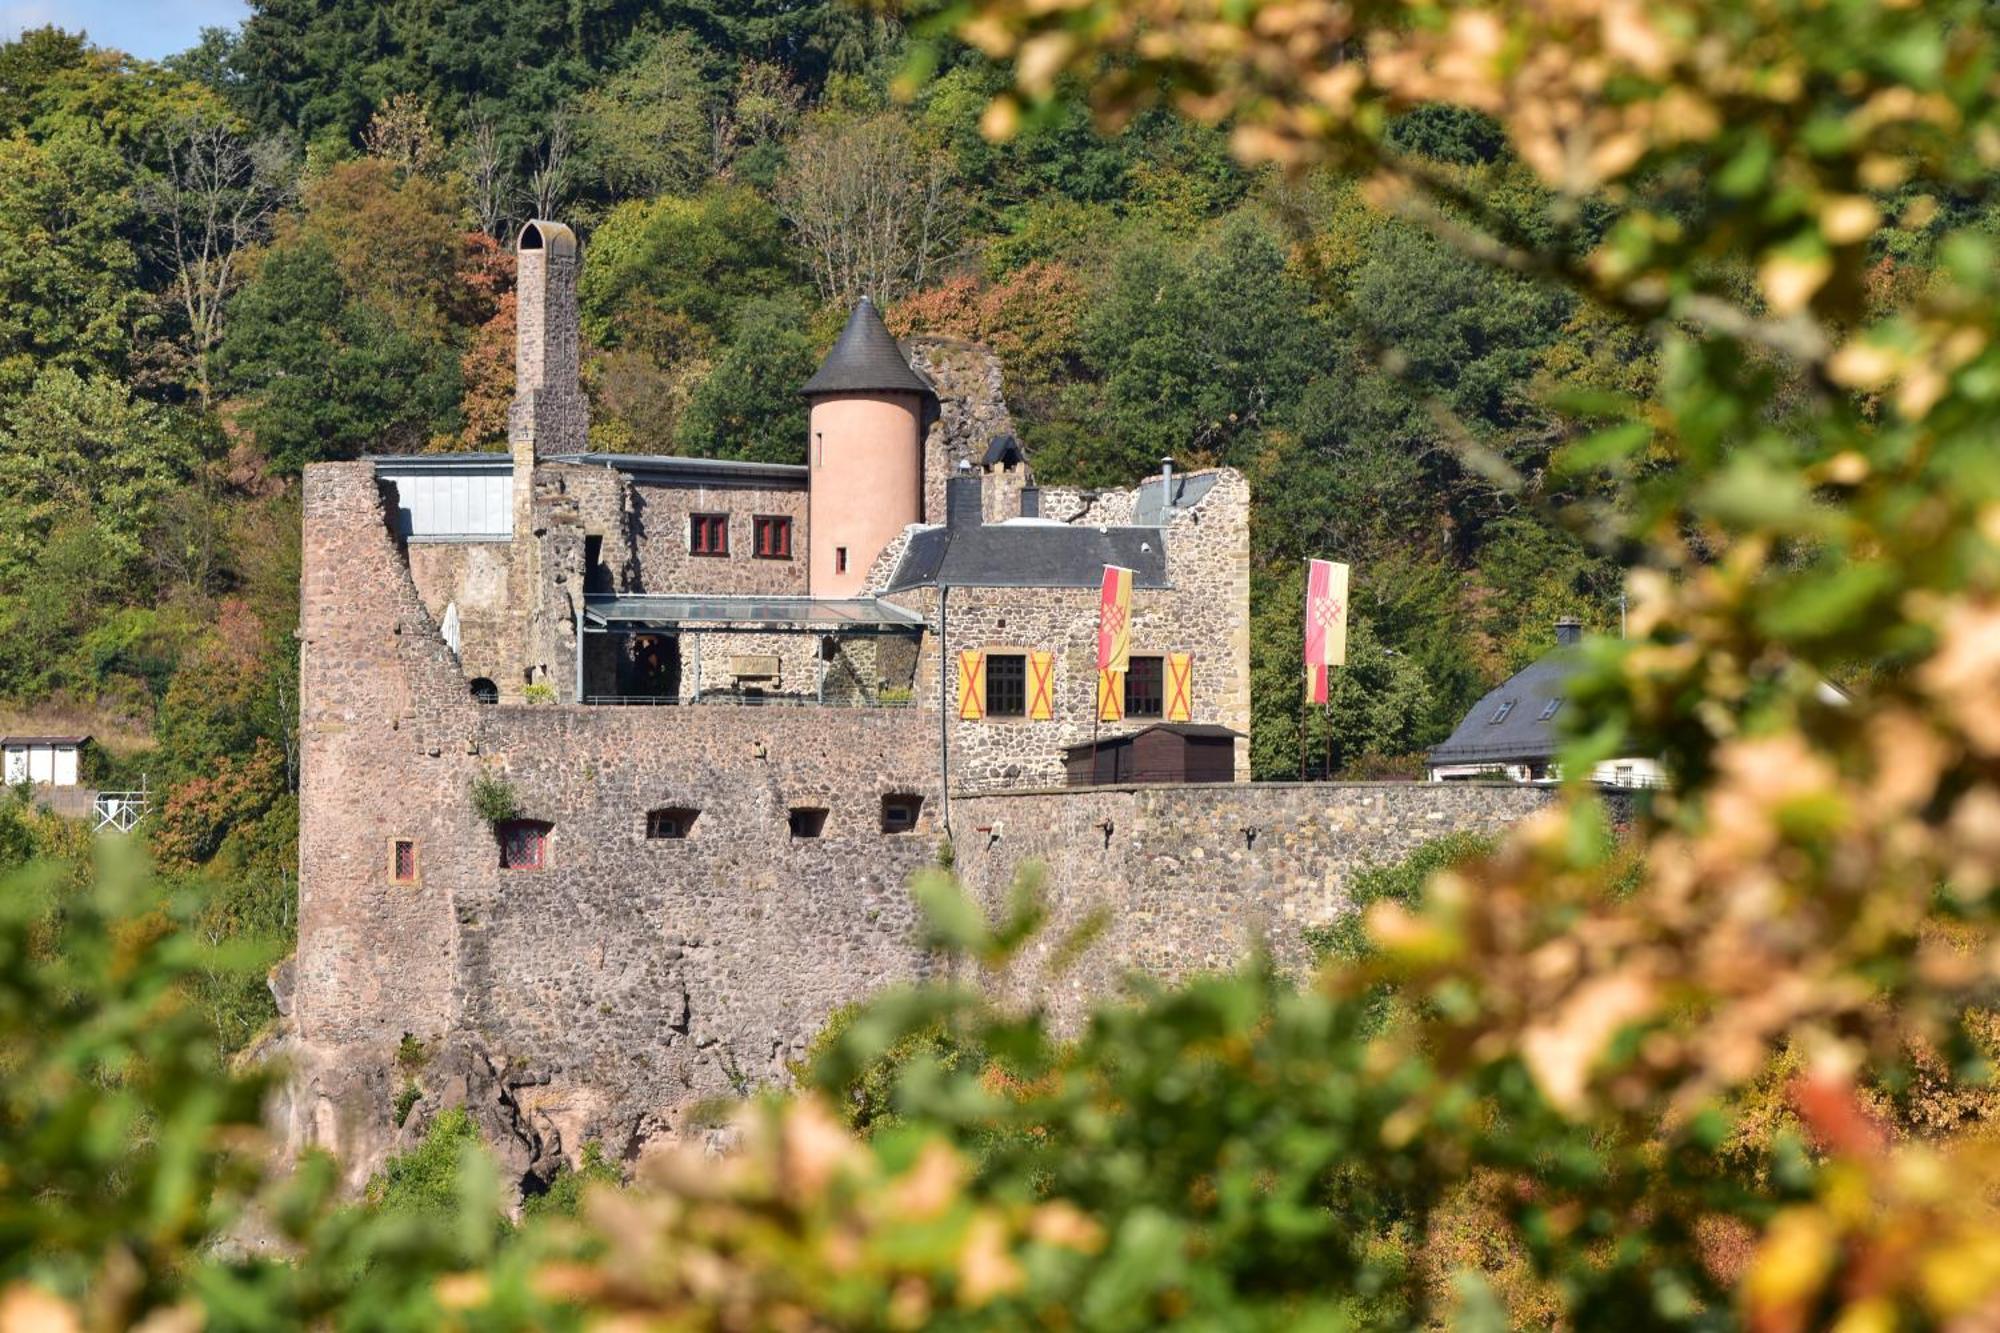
(616, 767)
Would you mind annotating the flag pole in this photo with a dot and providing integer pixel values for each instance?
(1303, 714)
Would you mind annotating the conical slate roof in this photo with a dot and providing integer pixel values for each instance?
(865, 359)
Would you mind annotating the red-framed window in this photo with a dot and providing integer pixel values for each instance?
(524, 844)
(708, 534)
(773, 533)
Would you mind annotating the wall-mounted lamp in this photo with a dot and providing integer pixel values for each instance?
(1249, 837)
(1104, 826)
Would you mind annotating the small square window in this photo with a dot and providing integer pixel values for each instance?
(1549, 709)
(403, 860)
(524, 844)
(1500, 713)
(1145, 691)
(807, 821)
(674, 823)
(1006, 685)
(773, 537)
(708, 534)
(899, 812)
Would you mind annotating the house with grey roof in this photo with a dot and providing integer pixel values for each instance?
(1514, 733)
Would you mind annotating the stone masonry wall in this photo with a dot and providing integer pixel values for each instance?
(1205, 612)
(972, 409)
(632, 978)
(1193, 878)
(473, 576)
(660, 534)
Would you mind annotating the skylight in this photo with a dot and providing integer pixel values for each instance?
(1500, 713)
(1549, 709)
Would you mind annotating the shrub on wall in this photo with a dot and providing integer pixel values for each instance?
(493, 799)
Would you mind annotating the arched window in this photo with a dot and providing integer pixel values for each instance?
(485, 691)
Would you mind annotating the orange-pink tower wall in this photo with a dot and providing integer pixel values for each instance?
(866, 484)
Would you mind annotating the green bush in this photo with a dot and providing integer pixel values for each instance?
(493, 798)
(1401, 882)
(566, 1191)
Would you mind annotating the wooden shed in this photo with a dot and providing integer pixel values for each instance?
(1163, 752)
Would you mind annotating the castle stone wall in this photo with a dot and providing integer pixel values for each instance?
(660, 536)
(1194, 878)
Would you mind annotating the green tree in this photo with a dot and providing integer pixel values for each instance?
(78, 450)
(701, 258)
(650, 128)
(325, 378)
(749, 405)
(69, 293)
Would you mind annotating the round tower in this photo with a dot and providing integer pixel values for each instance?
(865, 459)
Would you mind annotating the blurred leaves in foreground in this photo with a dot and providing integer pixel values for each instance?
(1733, 1068)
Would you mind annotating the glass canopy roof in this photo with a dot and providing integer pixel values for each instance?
(631, 611)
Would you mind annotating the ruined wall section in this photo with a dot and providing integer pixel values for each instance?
(972, 409)
(660, 515)
(384, 717)
(1194, 878)
(473, 576)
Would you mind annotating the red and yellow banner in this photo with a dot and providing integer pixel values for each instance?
(1041, 686)
(1326, 624)
(1114, 620)
(1180, 686)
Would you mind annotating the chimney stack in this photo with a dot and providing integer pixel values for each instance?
(549, 414)
(963, 497)
(1569, 632)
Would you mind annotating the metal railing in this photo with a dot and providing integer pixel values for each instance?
(119, 811)
(728, 697)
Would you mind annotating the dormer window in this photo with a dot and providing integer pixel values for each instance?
(1500, 713)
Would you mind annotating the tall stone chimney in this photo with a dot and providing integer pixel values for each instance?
(549, 414)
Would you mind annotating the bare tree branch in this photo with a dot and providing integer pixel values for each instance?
(214, 199)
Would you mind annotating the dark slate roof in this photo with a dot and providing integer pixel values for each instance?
(1523, 733)
(43, 740)
(1189, 489)
(865, 359)
(675, 467)
(1002, 450)
(1196, 730)
(1029, 555)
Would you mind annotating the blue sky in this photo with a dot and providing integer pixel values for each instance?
(150, 28)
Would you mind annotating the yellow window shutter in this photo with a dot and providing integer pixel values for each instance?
(1041, 686)
(1180, 686)
(1110, 695)
(971, 685)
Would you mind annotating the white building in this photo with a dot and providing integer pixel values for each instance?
(48, 761)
